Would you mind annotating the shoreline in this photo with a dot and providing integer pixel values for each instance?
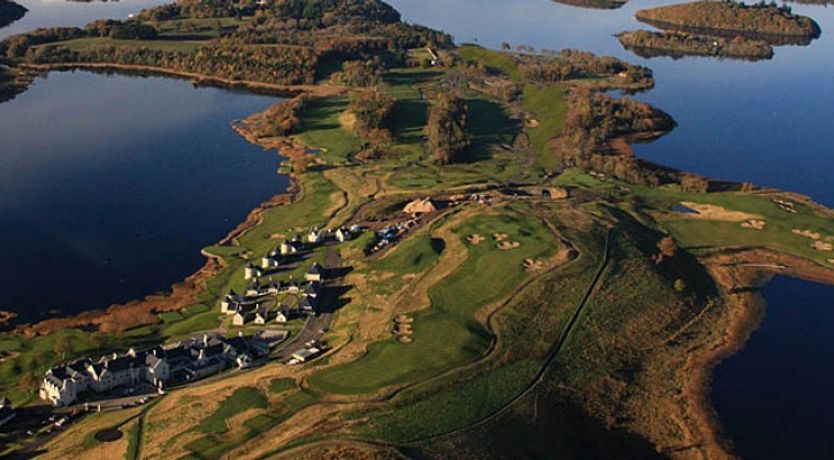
(185, 292)
(196, 78)
(776, 39)
(740, 287)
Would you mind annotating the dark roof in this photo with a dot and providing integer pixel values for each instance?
(315, 269)
(6, 412)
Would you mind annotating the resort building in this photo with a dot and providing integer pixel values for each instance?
(183, 361)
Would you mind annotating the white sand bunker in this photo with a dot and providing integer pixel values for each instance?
(507, 245)
(754, 224)
(822, 246)
(475, 239)
(806, 233)
(499, 236)
(831, 261)
(533, 265)
(714, 212)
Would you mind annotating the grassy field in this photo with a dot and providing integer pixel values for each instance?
(79, 44)
(547, 105)
(322, 128)
(409, 259)
(497, 61)
(241, 400)
(447, 334)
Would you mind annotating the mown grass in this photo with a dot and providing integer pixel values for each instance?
(241, 400)
(447, 334)
(281, 385)
(495, 60)
(411, 257)
(321, 128)
(547, 105)
(447, 410)
(82, 44)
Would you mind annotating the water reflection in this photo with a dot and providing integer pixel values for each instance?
(111, 185)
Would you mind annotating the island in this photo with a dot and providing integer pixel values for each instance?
(679, 44)
(470, 259)
(595, 4)
(775, 24)
(10, 12)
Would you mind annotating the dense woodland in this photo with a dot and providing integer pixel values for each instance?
(448, 137)
(594, 119)
(732, 17)
(288, 42)
(573, 64)
(648, 44)
(279, 119)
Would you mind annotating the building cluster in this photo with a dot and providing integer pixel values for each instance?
(258, 304)
(184, 361)
(296, 245)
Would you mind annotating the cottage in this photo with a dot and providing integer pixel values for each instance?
(251, 272)
(315, 236)
(282, 316)
(419, 207)
(311, 289)
(241, 318)
(290, 247)
(315, 273)
(270, 261)
(230, 302)
(343, 234)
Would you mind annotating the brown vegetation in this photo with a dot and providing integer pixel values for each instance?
(447, 134)
(729, 18)
(678, 44)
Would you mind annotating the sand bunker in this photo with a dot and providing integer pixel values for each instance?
(754, 224)
(499, 236)
(474, 239)
(713, 212)
(806, 233)
(507, 245)
(822, 246)
(405, 339)
(533, 265)
(831, 261)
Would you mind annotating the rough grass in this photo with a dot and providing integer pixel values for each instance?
(447, 334)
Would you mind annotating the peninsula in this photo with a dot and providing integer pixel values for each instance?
(775, 24)
(470, 260)
(10, 12)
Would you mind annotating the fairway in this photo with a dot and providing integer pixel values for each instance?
(447, 334)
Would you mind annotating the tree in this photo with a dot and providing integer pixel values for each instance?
(448, 138)
(506, 46)
(680, 285)
(694, 184)
(667, 248)
(371, 109)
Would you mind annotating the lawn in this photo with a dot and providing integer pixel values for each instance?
(411, 257)
(448, 335)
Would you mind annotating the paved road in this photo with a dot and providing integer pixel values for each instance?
(314, 327)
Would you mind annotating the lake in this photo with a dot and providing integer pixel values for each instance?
(774, 397)
(176, 179)
(111, 185)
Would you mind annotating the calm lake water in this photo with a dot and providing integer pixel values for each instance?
(160, 174)
(775, 397)
(111, 185)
